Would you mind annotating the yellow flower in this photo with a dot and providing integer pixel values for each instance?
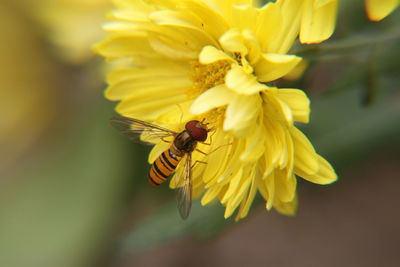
(217, 60)
(72, 25)
(379, 9)
(28, 101)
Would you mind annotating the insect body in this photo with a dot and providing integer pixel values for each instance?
(182, 146)
(184, 143)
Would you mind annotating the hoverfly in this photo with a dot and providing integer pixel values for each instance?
(182, 146)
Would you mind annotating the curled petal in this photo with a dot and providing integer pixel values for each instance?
(232, 41)
(297, 101)
(324, 175)
(273, 66)
(241, 82)
(210, 54)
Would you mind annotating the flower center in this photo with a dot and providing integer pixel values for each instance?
(206, 76)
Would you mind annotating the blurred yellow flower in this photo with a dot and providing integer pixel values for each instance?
(216, 60)
(379, 9)
(28, 101)
(72, 25)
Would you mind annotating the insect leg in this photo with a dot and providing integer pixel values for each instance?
(212, 151)
(209, 144)
(202, 152)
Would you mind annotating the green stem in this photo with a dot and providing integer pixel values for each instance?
(350, 44)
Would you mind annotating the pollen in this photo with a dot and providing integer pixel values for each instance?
(206, 76)
(215, 117)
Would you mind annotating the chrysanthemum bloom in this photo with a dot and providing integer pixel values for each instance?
(72, 25)
(217, 60)
(379, 9)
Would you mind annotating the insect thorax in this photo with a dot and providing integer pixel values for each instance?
(184, 142)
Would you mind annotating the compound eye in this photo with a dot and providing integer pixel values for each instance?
(196, 130)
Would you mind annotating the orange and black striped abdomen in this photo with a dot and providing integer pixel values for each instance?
(163, 167)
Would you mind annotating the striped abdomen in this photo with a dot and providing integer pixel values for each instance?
(163, 167)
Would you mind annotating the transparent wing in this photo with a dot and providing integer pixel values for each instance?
(134, 128)
(183, 187)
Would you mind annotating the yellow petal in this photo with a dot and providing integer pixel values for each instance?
(274, 66)
(170, 43)
(135, 5)
(128, 15)
(140, 83)
(244, 16)
(210, 194)
(318, 20)
(124, 47)
(286, 111)
(149, 109)
(276, 139)
(233, 186)
(254, 144)
(241, 82)
(270, 186)
(233, 153)
(298, 102)
(253, 46)
(325, 174)
(288, 28)
(305, 158)
(232, 41)
(287, 208)
(172, 17)
(297, 72)
(213, 21)
(238, 197)
(210, 54)
(245, 207)
(379, 9)
(216, 161)
(285, 187)
(290, 155)
(212, 98)
(269, 21)
(182, 21)
(241, 112)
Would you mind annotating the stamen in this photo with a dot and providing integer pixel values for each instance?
(206, 76)
(215, 117)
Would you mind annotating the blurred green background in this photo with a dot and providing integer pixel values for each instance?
(73, 192)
